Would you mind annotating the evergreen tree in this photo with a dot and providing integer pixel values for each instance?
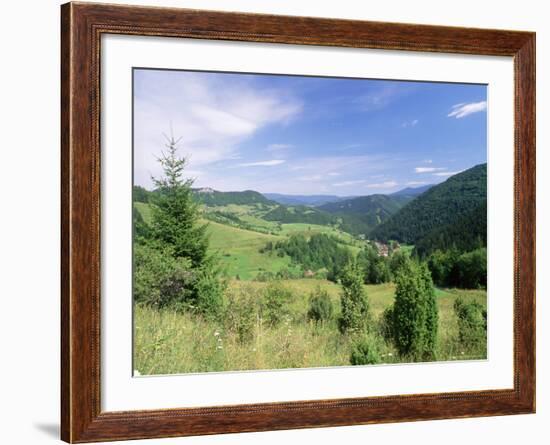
(415, 313)
(175, 228)
(354, 301)
(174, 213)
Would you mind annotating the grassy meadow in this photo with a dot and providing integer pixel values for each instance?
(167, 342)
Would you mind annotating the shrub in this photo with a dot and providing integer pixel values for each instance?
(241, 313)
(386, 327)
(398, 260)
(466, 270)
(209, 292)
(264, 276)
(354, 301)
(364, 352)
(160, 280)
(415, 314)
(275, 303)
(163, 281)
(472, 323)
(473, 269)
(320, 306)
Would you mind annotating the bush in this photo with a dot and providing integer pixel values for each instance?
(472, 323)
(320, 306)
(209, 290)
(398, 260)
(275, 303)
(241, 313)
(465, 270)
(160, 280)
(163, 281)
(415, 314)
(354, 301)
(386, 327)
(473, 269)
(264, 276)
(364, 352)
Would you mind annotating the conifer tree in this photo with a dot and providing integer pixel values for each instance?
(415, 313)
(354, 301)
(175, 228)
(174, 214)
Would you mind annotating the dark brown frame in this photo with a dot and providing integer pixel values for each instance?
(82, 25)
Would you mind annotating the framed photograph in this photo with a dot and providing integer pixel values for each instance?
(275, 222)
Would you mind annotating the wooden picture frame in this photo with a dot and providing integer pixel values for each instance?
(82, 26)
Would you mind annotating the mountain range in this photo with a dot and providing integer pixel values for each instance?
(321, 200)
(452, 213)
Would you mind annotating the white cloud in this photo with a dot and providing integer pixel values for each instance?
(351, 146)
(415, 183)
(211, 118)
(379, 98)
(408, 124)
(346, 183)
(310, 178)
(427, 161)
(270, 163)
(461, 110)
(333, 174)
(428, 169)
(447, 173)
(276, 147)
(383, 185)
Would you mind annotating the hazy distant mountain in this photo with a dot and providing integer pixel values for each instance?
(412, 191)
(305, 200)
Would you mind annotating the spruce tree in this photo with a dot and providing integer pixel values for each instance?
(175, 228)
(174, 213)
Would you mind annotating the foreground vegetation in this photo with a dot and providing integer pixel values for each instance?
(168, 341)
(247, 284)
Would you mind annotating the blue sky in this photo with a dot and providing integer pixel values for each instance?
(307, 135)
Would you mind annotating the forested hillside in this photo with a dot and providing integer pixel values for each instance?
(360, 215)
(467, 233)
(299, 214)
(441, 205)
(211, 197)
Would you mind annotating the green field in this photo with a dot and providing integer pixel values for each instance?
(167, 342)
(239, 249)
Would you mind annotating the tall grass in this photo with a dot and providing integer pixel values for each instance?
(167, 342)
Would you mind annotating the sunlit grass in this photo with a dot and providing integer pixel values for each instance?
(167, 342)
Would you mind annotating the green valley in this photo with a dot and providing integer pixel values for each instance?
(286, 268)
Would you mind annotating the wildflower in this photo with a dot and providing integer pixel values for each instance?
(390, 354)
(216, 334)
(136, 373)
